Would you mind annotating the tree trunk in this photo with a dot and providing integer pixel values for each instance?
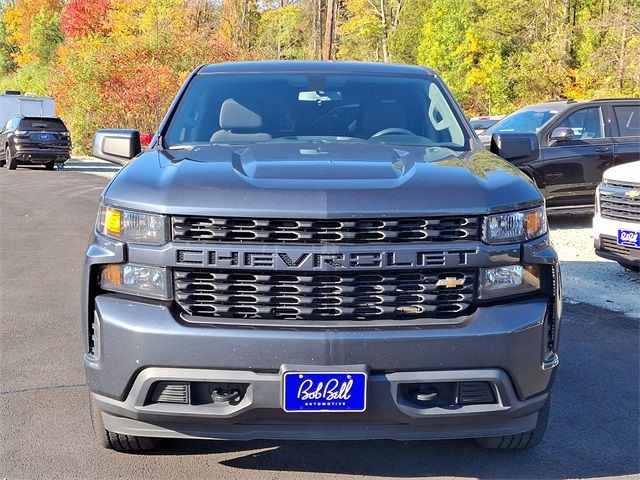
(385, 31)
(327, 45)
(623, 47)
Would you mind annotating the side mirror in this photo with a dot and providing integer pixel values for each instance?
(514, 145)
(561, 134)
(117, 146)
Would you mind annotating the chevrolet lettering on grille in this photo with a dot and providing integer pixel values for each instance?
(246, 259)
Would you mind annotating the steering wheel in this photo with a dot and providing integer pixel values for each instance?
(393, 130)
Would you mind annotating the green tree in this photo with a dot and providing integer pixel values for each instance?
(45, 36)
(282, 32)
(367, 27)
(405, 39)
(7, 48)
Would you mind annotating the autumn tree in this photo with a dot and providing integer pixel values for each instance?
(81, 18)
(238, 23)
(369, 23)
(30, 24)
(282, 32)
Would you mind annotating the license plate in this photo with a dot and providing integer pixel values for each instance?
(628, 238)
(325, 392)
(44, 136)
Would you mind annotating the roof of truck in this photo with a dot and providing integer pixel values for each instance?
(294, 66)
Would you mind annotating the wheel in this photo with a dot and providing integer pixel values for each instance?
(50, 165)
(523, 440)
(118, 441)
(12, 162)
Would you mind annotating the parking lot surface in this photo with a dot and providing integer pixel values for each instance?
(45, 221)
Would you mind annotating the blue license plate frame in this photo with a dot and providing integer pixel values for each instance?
(44, 137)
(628, 238)
(331, 392)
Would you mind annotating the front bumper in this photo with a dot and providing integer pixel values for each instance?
(260, 416)
(605, 233)
(500, 344)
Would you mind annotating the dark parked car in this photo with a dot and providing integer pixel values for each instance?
(318, 250)
(34, 140)
(480, 124)
(566, 146)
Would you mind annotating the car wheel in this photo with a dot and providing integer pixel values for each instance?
(50, 165)
(523, 440)
(118, 441)
(11, 161)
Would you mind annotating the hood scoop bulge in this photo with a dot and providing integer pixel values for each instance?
(317, 165)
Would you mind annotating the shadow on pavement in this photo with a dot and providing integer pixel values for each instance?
(593, 432)
(569, 220)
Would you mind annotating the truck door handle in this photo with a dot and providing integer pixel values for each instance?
(601, 149)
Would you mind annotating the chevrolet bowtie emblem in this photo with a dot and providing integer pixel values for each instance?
(450, 282)
(633, 193)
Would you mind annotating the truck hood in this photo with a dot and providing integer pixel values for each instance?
(628, 172)
(320, 180)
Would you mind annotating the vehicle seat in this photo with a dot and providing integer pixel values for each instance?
(239, 124)
(378, 116)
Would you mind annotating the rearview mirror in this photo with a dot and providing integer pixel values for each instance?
(561, 134)
(320, 96)
(117, 146)
(514, 145)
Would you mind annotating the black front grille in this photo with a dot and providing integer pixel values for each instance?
(325, 296)
(620, 204)
(610, 244)
(233, 230)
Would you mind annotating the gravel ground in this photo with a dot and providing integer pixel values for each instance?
(588, 278)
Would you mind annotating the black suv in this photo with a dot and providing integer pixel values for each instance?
(34, 140)
(566, 146)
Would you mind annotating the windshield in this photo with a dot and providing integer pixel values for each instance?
(250, 108)
(522, 121)
(49, 124)
(482, 124)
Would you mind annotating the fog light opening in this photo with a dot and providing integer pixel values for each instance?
(171, 392)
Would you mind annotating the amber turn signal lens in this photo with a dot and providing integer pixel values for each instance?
(112, 274)
(113, 220)
(535, 223)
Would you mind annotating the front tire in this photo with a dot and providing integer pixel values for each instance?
(50, 165)
(118, 441)
(523, 440)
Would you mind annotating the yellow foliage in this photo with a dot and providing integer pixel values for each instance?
(18, 18)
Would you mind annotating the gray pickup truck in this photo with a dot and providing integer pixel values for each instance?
(322, 251)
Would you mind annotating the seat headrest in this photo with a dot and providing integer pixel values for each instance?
(233, 115)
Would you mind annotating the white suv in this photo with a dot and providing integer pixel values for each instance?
(616, 224)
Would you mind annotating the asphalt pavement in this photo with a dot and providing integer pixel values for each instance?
(45, 221)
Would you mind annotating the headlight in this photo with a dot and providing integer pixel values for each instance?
(515, 226)
(132, 226)
(143, 280)
(510, 280)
